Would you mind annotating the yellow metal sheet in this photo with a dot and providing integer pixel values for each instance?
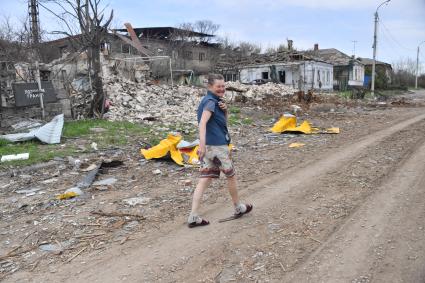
(161, 149)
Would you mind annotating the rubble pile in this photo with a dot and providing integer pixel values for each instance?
(259, 92)
(133, 101)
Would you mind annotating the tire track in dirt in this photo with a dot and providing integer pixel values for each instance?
(383, 241)
(180, 255)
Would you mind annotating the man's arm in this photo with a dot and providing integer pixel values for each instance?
(206, 115)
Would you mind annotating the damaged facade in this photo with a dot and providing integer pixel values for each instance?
(287, 67)
(347, 71)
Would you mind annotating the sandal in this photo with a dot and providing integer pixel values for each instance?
(249, 207)
(196, 224)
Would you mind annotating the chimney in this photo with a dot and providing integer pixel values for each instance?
(316, 47)
(290, 44)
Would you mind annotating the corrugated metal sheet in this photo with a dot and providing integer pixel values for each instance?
(50, 133)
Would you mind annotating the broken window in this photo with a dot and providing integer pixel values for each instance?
(188, 55)
(125, 48)
(201, 56)
(265, 75)
(282, 76)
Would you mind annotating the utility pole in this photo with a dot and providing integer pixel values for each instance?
(35, 40)
(354, 48)
(375, 41)
(417, 66)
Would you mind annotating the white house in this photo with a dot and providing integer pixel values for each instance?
(304, 74)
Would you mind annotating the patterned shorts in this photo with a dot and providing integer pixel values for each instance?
(217, 159)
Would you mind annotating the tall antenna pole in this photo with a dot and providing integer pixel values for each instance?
(354, 47)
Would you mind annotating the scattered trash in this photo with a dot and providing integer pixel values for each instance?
(14, 157)
(94, 146)
(185, 144)
(137, 200)
(56, 249)
(89, 168)
(295, 109)
(166, 146)
(105, 182)
(26, 125)
(296, 144)
(180, 151)
(288, 123)
(49, 133)
(28, 192)
(70, 193)
(156, 172)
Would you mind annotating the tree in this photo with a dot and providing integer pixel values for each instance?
(404, 72)
(88, 28)
(247, 48)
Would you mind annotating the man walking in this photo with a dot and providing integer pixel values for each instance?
(214, 150)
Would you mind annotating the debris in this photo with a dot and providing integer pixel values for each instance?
(185, 144)
(70, 193)
(165, 147)
(89, 168)
(295, 109)
(94, 146)
(26, 125)
(259, 92)
(296, 144)
(117, 214)
(156, 172)
(49, 133)
(28, 192)
(77, 254)
(137, 200)
(14, 157)
(51, 248)
(105, 182)
(288, 123)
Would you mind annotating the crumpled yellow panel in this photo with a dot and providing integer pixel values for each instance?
(284, 123)
(289, 124)
(162, 149)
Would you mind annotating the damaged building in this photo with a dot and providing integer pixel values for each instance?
(348, 72)
(290, 68)
(186, 53)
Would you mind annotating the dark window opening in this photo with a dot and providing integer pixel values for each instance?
(201, 56)
(188, 55)
(282, 76)
(125, 48)
(265, 75)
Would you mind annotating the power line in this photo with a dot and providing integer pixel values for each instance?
(393, 38)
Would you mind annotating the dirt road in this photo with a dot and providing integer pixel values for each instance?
(353, 213)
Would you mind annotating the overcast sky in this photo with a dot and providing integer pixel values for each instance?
(330, 23)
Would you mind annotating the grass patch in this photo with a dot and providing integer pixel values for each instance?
(344, 94)
(237, 119)
(234, 110)
(76, 139)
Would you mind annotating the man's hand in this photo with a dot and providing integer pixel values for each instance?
(201, 151)
(222, 105)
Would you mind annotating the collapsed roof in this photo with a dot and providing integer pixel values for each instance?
(165, 32)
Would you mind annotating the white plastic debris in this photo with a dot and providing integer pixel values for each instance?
(13, 157)
(137, 200)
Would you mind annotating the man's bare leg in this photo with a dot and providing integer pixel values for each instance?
(232, 185)
(203, 183)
